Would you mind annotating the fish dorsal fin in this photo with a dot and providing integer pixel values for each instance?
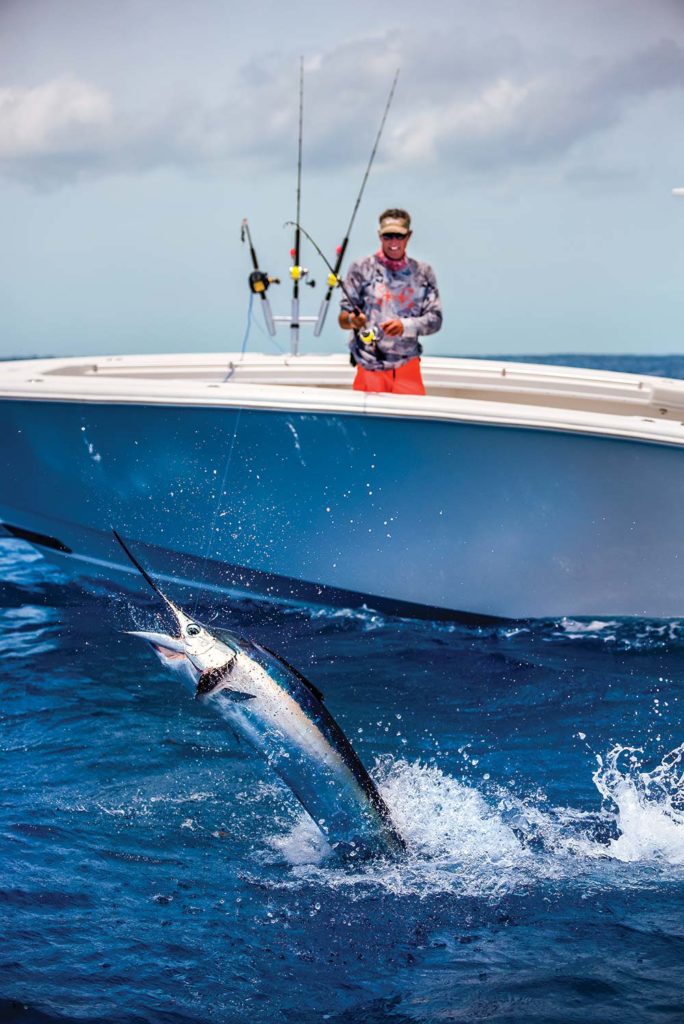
(295, 672)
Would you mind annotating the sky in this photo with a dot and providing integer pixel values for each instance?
(536, 144)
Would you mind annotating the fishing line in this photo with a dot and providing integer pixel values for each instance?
(278, 347)
(289, 223)
(368, 336)
(259, 283)
(248, 326)
(224, 478)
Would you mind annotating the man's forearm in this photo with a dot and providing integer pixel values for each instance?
(428, 323)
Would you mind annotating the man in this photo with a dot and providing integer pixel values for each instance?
(394, 303)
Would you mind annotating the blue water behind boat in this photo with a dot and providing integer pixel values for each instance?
(152, 869)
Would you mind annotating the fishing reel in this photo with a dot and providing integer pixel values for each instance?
(368, 337)
(299, 273)
(259, 282)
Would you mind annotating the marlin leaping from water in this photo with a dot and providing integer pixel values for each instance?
(282, 715)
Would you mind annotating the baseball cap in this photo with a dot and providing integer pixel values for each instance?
(394, 224)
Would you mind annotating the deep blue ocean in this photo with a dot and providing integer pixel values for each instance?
(153, 870)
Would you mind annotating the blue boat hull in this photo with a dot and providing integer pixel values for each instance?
(428, 516)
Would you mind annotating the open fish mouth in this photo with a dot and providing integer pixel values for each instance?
(160, 641)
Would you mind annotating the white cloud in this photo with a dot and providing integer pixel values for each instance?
(485, 105)
(536, 112)
(57, 117)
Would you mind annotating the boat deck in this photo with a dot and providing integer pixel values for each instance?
(478, 390)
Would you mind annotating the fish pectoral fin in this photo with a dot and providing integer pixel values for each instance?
(236, 696)
(239, 696)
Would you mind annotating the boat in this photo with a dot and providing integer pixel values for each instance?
(510, 491)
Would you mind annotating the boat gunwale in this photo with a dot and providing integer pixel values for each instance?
(53, 380)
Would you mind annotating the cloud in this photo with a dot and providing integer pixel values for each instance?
(480, 106)
(55, 118)
(537, 113)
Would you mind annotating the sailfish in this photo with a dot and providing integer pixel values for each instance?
(283, 717)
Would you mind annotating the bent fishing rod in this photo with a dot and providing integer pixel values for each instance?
(333, 277)
(368, 336)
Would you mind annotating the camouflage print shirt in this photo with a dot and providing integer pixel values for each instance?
(408, 293)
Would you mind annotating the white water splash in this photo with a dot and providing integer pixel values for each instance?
(624, 634)
(90, 447)
(297, 443)
(456, 842)
(364, 616)
(575, 627)
(648, 805)
(462, 842)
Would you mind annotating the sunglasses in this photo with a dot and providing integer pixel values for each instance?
(392, 235)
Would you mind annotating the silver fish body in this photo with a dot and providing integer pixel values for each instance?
(283, 717)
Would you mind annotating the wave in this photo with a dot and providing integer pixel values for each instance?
(22, 565)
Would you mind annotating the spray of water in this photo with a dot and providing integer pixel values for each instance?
(648, 805)
(463, 842)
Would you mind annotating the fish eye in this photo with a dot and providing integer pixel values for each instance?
(193, 629)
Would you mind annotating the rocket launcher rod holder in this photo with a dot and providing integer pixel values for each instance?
(259, 281)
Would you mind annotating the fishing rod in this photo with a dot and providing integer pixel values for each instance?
(297, 271)
(258, 280)
(333, 277)
(368, 336)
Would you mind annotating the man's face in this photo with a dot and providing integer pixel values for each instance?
(393, 244)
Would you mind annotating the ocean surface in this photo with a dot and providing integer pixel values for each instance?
(152, 869)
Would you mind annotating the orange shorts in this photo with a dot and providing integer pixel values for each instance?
(402, 380)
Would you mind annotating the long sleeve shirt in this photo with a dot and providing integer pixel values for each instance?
(408, 293)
